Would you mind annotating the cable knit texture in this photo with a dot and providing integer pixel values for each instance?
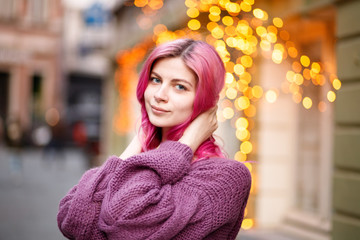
(157, 194)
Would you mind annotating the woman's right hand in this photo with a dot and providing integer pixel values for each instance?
(134, 147)
(200, 129)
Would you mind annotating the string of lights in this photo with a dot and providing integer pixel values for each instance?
(241, 34)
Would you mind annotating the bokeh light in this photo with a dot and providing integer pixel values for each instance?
(241, 34)
(307, 102)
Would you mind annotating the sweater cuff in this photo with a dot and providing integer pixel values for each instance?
(176, 162)
(177, 147)
(171, 161)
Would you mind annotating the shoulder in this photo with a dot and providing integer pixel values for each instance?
(226, 173)
(223, 166)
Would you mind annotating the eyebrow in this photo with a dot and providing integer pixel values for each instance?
(175, 79)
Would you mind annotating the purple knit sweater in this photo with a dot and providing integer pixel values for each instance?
(157, 194)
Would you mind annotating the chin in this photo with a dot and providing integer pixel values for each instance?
(159, 124)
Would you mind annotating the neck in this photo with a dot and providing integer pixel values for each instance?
(164, 132)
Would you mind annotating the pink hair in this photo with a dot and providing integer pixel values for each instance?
(204, 61)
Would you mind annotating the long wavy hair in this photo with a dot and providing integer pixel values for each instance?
(209, 69)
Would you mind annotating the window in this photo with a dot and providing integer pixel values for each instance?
(312, 199)
(8, 9)
(38, 11)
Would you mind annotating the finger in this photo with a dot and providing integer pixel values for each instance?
(215, 108)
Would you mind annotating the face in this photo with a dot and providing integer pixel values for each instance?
(169, 96)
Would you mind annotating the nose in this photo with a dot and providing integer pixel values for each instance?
(161, 95)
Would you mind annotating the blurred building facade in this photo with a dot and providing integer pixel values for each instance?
(87, 68)
(296, 189)
(30, 65)
(294, 143)
(346, 178)
(53, 65)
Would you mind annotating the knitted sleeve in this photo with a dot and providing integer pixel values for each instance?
(79, 210)
(144, 199)
(227, 186)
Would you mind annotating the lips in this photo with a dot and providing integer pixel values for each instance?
(158, 109)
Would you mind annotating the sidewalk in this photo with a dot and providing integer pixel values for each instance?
(31, 187)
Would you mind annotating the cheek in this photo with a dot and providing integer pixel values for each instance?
(147, 94)
(186, 105)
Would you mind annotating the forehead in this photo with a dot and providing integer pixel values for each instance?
(174, 68)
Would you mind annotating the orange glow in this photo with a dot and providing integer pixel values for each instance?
(296, 66)
(214, 18)
(231, 93)
(307, 102)
(140, 3)
(192, 12)
(278, 22)
(250, 111)
(336, 84)
(228, 113)
(261, 31)
(159, 29)
(250, 2)
(194, 24)
(297, 97)
(272, 29)
(241, 123)
(246, 147)
(239, 156)
(271, 96)
(241, 33)
(217, 32)
(246, 61)
(211, 25)
(292, 52)
(331, 96)
(242, 102)
(257, 91)
(322, 106)
(284, 35)
(315, 67)
(277, 56)
(305, 60)
(234, 7)
(246, 77)
(306, 74)
(247, 223)
(258, 13)
(239, 69)
(215, 10)
(298, 79)
(127, 62)
(155, 4)
(191, 3)
(227, 20)
(242, 134)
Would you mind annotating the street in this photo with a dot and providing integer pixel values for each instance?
(31, 186)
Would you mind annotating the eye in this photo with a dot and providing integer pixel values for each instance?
(155, 80)
(180, 87)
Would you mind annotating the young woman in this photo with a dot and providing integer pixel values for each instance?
(172, 181)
